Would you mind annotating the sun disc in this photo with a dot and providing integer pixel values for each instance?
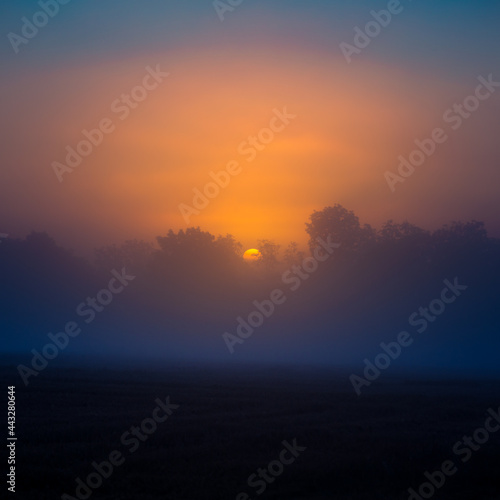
(252, 254)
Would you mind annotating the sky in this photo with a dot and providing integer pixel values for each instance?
(348, 121)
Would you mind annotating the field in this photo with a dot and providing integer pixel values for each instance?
(231, 422)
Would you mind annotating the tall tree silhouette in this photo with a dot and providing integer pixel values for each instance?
(342, 226)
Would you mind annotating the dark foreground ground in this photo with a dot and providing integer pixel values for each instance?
(230, 423)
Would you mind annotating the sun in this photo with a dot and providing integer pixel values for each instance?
(252, 254)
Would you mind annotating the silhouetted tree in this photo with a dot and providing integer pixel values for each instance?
(293, 255)
(270, 251)
(40, 281)
(132, 254)
(342, 226)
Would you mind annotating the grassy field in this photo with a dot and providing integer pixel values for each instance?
(231, 422)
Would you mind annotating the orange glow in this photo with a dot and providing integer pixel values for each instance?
(345, 136)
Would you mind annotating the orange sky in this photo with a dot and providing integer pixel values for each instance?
(352, 123)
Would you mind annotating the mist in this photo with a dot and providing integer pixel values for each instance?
(344, 303)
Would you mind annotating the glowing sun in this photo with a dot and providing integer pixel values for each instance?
(252, 254)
